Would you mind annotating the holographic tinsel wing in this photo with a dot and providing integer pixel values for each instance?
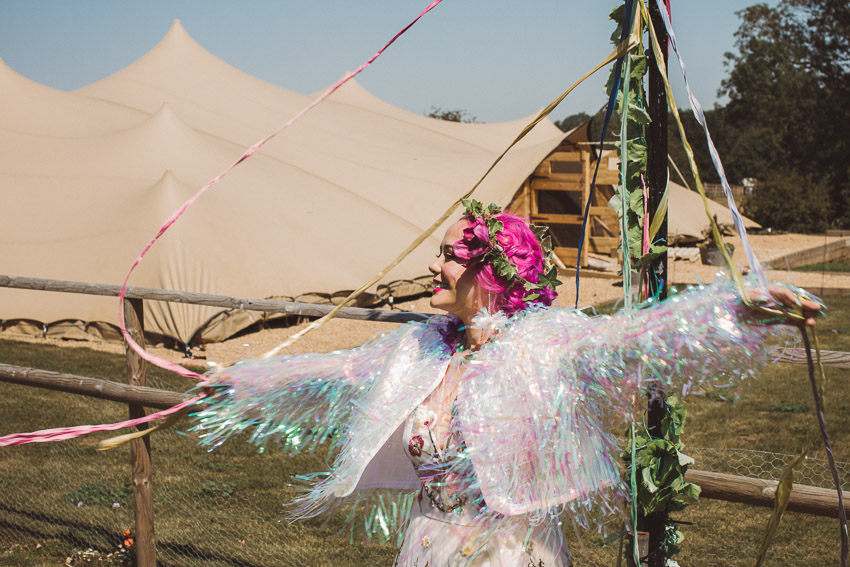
(536, 404)
(355, 399)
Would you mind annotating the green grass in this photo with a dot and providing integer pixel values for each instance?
(225, 507)
(833, 266)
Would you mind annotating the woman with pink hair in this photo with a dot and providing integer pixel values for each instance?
(470, 438)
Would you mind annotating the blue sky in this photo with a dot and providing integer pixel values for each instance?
(497, 59)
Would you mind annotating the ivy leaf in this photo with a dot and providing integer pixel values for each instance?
(638, 115)
(636, 203)
(647, 480)
(495, 227)
(635, 236)
(617, 15)
(636, 152)
(692, 490)
(654, 252)
(473, 207)
(638, 64)
(685, 460)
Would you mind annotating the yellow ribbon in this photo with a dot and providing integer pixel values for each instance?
(114, 442)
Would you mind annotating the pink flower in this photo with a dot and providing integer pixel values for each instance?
(475, 242)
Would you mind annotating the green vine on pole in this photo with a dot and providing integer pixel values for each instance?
(656, 464)
(634, 112)
(660, 470)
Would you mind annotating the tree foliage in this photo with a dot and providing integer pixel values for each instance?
(451, 115)
(575, 120)
(787, 119)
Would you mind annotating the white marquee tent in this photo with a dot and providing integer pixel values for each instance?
(88, 177)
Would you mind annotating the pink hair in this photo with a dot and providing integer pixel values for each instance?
(523, 251)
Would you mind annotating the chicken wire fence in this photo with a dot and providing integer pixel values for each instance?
(67, 503)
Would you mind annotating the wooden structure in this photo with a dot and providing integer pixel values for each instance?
(556, 195)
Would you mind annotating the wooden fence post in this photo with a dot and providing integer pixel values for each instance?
(140, 449)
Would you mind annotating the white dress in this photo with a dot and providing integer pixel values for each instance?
(449, 525)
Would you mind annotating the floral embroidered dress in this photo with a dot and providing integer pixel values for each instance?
(501, 451)
(449, 525)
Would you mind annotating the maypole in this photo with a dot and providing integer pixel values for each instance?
(656, 271)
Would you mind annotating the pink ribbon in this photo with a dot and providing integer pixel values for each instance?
(63, 433)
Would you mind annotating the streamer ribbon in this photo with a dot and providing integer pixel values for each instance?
(64, 433)
(609, 110)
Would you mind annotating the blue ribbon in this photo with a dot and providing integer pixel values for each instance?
(609, 110)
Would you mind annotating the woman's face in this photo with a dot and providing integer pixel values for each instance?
(455, 288)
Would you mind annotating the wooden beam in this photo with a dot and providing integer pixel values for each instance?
(557, 219)
(93, 387)
(759, 492)
(607, 177)
(547, 184)
(140, 449)
(558, 155)
(223, 301)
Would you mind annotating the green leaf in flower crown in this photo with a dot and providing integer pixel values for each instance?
(531, 297)
(495, 227)
(473, 207)
(539, 231)
(493, 209)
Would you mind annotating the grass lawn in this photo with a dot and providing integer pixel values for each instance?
(225, 507)
(833, 266)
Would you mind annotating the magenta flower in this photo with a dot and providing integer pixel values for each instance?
(475, 242)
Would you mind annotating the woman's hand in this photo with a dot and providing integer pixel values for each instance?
(793, 303)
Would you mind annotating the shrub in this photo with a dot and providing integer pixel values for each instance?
(787, 200)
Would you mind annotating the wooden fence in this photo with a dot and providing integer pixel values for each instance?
(137, 396)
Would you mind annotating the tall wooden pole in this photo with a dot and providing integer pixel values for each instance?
(140, 449)
(656, 173)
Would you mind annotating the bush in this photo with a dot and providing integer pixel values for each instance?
(790, 201)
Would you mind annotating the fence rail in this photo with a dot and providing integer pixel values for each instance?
(224, 301)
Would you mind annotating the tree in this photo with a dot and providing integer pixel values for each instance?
(451, 115)
(787, 116)
(575, 120)
(773, 192)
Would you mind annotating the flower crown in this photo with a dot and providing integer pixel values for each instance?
(479, 244)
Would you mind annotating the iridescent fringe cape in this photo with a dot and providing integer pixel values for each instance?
(534, 406)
